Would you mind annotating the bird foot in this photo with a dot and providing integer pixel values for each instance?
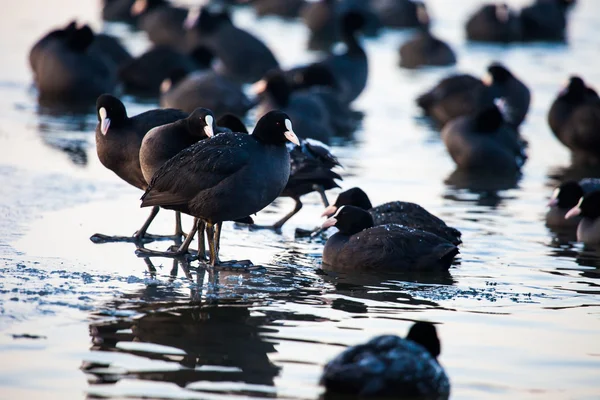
(171, 252)
(100, 238)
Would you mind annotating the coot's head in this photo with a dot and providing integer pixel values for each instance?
(175, 76)
(575, 91)
(207, 19)
(314, 75)
(80, 39)
(111, 112)
(422, 15)
(142, 6)
(349, 220)
(352, 197)
(498, 73)
(588, 207)
(276, 86)
(201, 123)
(488, 120)
(425, 334)
(203, 56)
(566, 196)
(502, 13)
(275, 127)
(233, 123)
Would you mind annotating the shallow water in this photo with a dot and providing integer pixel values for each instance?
(517, 314)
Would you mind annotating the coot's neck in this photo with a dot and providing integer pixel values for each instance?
(488, 120)
(349, 37)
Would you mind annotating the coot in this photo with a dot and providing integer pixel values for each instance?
(494, 23)
(163, 22)
(424, 49)
(404, 213)
(307, 111)
(227, 177)
(311, 171)
(484, 142)
(503, 84)
(399, 13)
(545, 20)
(118, 142)
(320, 18)
(588, 208)
(574, 117)
(241, 56)
(360, 245)
(565, 197)
(118, 11)
(208, 89)
(389, 366)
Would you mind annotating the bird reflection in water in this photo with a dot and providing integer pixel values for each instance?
(484, 186)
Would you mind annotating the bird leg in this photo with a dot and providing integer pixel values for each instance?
(213, 235)
(321, 190)
(201, 246)
(140, 236)
(277, 225)
(182, 250)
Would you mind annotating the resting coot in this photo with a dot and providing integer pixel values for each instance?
(227, 177)
(403, 213)
(588, 209)
(565, 197)
(389, 366)
(118, 142)
(359, 245)
(494, 23)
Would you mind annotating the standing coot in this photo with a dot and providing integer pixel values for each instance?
(359, 245)
(227, 177)
(404, 213)
(118, 142)
(391, 367)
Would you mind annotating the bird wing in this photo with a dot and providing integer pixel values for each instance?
(197, 168)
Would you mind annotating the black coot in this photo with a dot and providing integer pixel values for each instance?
(320, 18)
(67, 69)
(404, 213)
(389, 366)
(227, 177)
(118, 11)
(241, 56)
(163, 22)
(494, 23)
(359, 245)
(424, 49)
(588, 209)
(311, 171)
(565, 197)
(574, 117)
(545, 20)
(463, 94)
(118, 142)
(484, 142)
(208, 89)
(281, 8)
(143, 75)
(398, 13)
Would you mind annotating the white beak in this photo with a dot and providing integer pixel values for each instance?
(104, 120)
(138, 7)
(329, 211)
(289, 134)
(573, 212)
(259, 87)
(165, 85)
(329, 223)
(553, 202)
(191, 18)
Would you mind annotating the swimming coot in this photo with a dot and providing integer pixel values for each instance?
(574, 117)
(68, 69)
(484, 142)
(565, 197)
(143, 75)
(403, 213)
(424, 49)
(241, 56)
(163, 22)
(118, 142)
(311, 171)
(359, 245)
(399, 13)
(389, 366)
(545, 20)
(208, 89)
(494, 23)
(307, 111)
(227, 177)
(588, 209)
